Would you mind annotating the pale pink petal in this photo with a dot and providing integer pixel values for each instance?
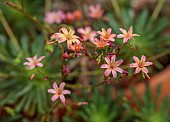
(107, 60)
(145, 70)
(66, 92)
(123, 30)
(130, 30)
(148, 63)
(62, 98)
(104, 66)
(31, 66)
(107, 72)
(120, 36)
(54, 97)
(55, 86)
(26, 63)
(40, 64)
(135, 35)
(40, 58)
(114, 73)
(143, 58)
(113, 58)
(103, 30)
(29, 59)
(64, 30)
(80, 30)
(136, 59)
(35, 57)
(71, 32)
(125, 40)
(62, 85)
(119, 69)
(109, 30)
(137, 70)
(133, 65)
(99, 32)
(119, 62)
(52, 91)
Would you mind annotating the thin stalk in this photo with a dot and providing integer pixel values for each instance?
(47, 5)
(10, 32)
(14, 6)
(157, 9)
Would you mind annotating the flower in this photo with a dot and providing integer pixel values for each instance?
(87, 33)
(100, 43)
(106, 35)
(76, 47)
(140, 64)
(58, 92)
(126, 35)
(33, 62)
(95, 12)
(112, 66)
(66, 35)
(54, 17)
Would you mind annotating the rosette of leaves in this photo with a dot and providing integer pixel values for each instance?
(101, 108)
(148, 109)
(19, 94)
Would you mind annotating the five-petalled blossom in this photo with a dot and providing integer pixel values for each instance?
(33, 62)
(106, 35)
(126, 35)
(58, 92)
(140, 64)
(112, 66)
(95, 12)
(100, 43)
(87, 33)
(66, 35)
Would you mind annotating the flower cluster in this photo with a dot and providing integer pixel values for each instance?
(101, 39)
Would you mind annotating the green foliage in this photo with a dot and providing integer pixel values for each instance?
(147, 110)
(101, 108)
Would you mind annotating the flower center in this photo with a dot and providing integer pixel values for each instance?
(59, 91)
(112, 65)
(140, 64)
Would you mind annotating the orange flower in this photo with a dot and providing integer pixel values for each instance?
(66, 35)
(106, 35)
(76, 47)
(100, 43)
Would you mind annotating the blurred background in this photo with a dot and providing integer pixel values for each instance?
(24, 33)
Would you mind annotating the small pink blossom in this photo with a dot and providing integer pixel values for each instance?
(106, 35)
(87, 33)
(54, 17)
(66, 35)
(112, 66)
(126, 35)
(77, 47)
(95, 12)
(100, 43)
(140, 64)
(58, 92)
(33, 62)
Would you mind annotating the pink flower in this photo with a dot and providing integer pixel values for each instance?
(77, 47)
(126, 35)
(33, 62)
(106, 35)
(112, 66)
(66, 35)
(87, 33)
(100, 43)
(54, 17)
(95, 12)
(140, 64)
(59, 92)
